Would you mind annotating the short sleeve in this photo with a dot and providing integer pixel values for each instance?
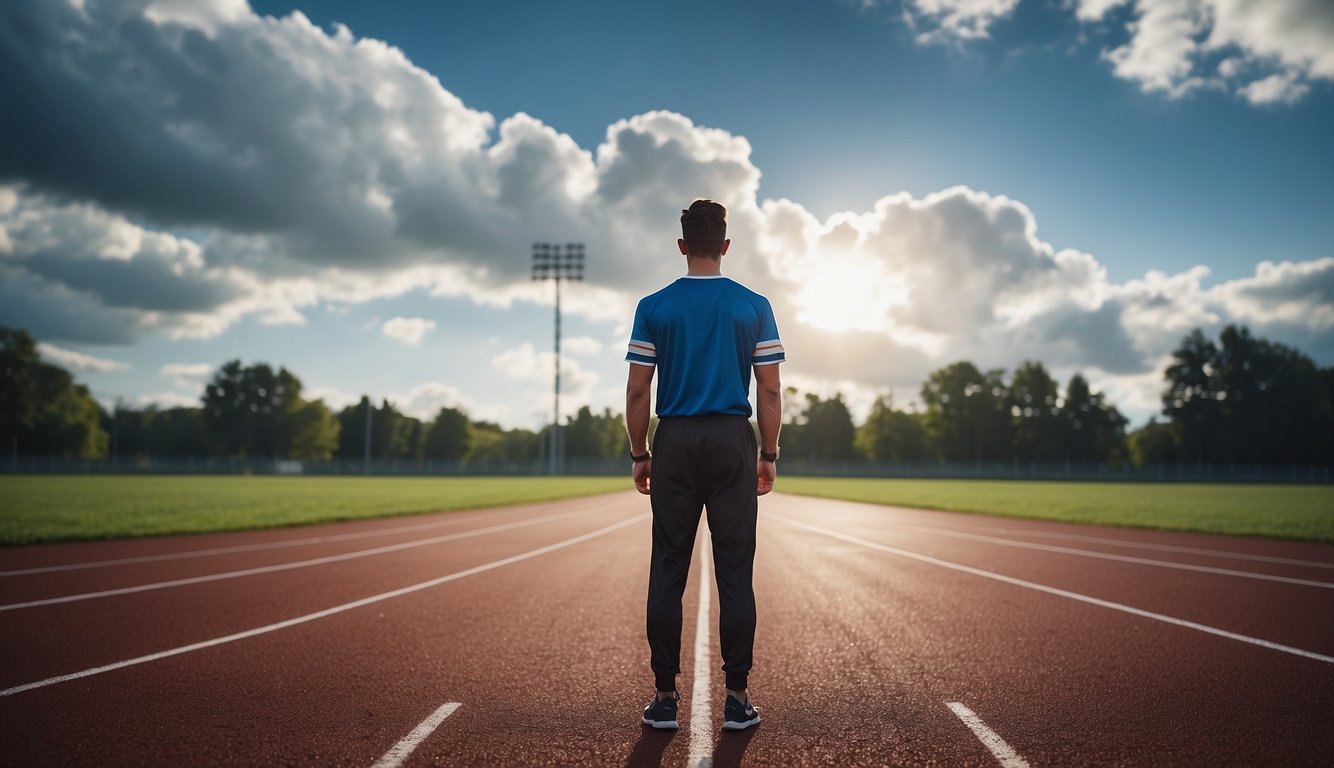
(641, 350)
(769, 350)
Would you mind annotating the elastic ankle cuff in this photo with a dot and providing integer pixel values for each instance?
(665, 683)
(736, 683)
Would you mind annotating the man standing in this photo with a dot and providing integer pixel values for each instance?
(703, 334)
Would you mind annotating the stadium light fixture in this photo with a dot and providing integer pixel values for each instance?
(557, 262)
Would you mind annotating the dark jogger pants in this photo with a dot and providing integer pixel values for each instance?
(702, 462)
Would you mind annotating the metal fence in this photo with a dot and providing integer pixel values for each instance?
(1124, 472)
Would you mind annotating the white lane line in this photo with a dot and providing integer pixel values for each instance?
(288, 566)
(1060, 592)
(1004, 752)
(1119, 558)
(701, 741)
(192, 553)
(1219, 553)
(395, 757)
(324, 613)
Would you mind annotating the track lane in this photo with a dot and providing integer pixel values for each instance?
(205, 554)
(57, 639)
(1288, 614)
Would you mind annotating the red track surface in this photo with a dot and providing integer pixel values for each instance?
(858, 652)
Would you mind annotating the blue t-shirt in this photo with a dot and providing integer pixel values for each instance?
(704, 334)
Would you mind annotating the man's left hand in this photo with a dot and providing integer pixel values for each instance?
(767, 473)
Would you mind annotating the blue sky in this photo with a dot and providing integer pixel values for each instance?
(1078, 181)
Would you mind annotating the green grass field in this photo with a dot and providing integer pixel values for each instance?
(1280, 511)
(35, 509)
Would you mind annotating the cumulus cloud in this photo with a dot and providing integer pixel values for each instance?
(79, 361)
(1266, 52)
(424, 401)
(524, 363)
(581, 345)
(188, 375)
(955, 20)
(162, 400)
(408, 330)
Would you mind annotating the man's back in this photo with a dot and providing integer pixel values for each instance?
(704, 334)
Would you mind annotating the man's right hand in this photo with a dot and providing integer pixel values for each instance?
(641, 472)
(767, 472)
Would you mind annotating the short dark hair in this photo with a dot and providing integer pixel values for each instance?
(704, 228)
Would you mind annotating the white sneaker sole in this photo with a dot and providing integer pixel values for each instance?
(663, 725)
(735, 726)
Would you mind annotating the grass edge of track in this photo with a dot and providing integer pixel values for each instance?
(1288, 512)
(51, 509)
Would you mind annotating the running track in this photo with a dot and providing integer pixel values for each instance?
(513, 636)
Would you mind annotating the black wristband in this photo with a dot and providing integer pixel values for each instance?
(769, 457)
(645, 456)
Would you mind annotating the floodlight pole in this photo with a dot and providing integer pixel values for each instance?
(551, 262)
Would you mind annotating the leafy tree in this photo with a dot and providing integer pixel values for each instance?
(1035, 408)
(823, 431)
(244, 407)
(450, 436)
(310, 431)
(393, 434)
(154, 432)
(19, 403)
(595, 436)
(493, 444)
(890, 435)
(69, 420)
(1248, 400)
(255, 411)
(1095, 429)
(967, 413)
(42, 410)
(1191, 399)
(1153, 443)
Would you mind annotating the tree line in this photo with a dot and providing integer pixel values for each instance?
(1240, 400)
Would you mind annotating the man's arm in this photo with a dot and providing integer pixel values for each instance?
(769, 407)
(636, 421)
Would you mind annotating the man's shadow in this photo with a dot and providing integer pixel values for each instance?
(732, 746)
(652, 744)
(649, 749)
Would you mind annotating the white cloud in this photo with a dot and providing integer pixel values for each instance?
(956, 20)
(188, 375)
(1299, 294)
(1095, 10)
(408, 330)
(424, 401)
(1278, 88)
(79, 361)
(525, 364)
(581, 345)
(163, 400)
(1272, 49)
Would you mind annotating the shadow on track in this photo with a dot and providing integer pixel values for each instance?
(732, 745)
(649, 749)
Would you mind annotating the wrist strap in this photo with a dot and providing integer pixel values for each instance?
(769, 457)
(645, 456)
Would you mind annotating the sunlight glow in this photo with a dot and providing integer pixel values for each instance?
(847, 293)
